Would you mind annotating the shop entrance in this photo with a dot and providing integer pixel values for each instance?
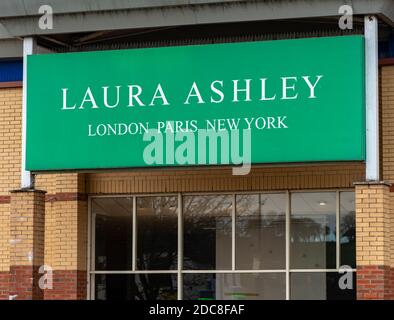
(284, 245)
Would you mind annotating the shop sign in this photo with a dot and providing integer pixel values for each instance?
(251, 102)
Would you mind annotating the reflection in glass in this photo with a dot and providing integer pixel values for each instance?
(136, 287)
(348, 229)
(157, 233)
(257, 286)
(313, 230)
(207, 232)
(113, 233)
(260, 231)
(320, 286)
(114, 287)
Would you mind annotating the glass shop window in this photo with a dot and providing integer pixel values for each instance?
(157, 230)
(260, 231)
(313, 230)
(227, 246)
(207, 232)
(113, 219)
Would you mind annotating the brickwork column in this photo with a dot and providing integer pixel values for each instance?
(4, 246)
(373, 233)
(387, 137)
(27, 213)
(66, 227)
(10, 167)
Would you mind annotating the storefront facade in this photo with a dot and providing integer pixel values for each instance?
(283, 231)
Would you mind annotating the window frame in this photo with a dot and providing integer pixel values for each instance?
(91, 272)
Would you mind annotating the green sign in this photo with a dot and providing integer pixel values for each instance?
(251, 102)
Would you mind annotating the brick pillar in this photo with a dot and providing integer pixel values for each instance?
(27, 213)
(67, 253)
(4, 246)
(373, 232)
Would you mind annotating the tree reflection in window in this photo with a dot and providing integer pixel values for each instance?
(348, 229)
(260, 231)
(157, 233)
(136, 287)
(313, 230)
(156, 287)
(207, 232)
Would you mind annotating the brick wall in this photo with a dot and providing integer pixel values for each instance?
(388, 140)
(26, 246)
(65, 236)
(10, 155)
(387, 121)
(375, 210)
(387, 152)
(373, 232)
(10, 138)
(221, 179)
(373, 224)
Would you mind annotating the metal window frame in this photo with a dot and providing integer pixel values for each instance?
(287, 240)
(180, 248)
(180, 272)
(134, 235)
(337, 231)
(90, 251)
